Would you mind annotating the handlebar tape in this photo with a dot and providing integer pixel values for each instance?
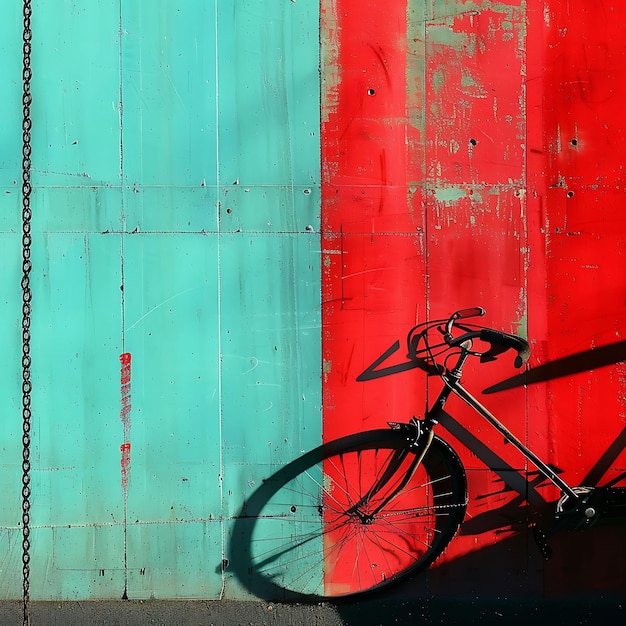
(503, 341)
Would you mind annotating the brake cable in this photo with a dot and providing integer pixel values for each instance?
(26, 305)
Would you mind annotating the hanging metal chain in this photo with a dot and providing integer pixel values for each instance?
(26, 307)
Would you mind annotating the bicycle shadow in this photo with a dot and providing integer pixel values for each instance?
(509, 583)
(487, 564)
(494, 568)
(511, 477)
(565, 366)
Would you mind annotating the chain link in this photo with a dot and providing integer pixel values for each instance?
(26, 306)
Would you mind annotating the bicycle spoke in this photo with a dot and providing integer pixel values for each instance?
(351, 520)
(290, 545)
(274, 561)
(411, 537)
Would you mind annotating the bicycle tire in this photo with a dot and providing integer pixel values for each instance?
(299, 539)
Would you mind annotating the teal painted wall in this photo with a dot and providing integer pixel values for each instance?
(176, 211)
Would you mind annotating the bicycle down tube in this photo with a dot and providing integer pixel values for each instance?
(361, 512)
(453, 383)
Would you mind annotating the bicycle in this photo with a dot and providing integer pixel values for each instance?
(362, 512)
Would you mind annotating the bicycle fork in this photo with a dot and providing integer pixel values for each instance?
(418, 444)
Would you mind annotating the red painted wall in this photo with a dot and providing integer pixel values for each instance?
(472, 155)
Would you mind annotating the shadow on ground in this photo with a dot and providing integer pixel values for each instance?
(366, 613)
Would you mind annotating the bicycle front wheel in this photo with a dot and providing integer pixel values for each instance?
(351, 516)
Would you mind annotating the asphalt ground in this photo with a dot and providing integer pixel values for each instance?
(571, 612)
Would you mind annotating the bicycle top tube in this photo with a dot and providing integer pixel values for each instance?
(499, 342)
(458, 340)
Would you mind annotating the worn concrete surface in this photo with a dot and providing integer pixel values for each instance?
(570, 612)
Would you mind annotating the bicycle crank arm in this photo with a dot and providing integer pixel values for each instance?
(594, 504)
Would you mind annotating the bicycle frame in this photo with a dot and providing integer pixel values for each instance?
(452, 384)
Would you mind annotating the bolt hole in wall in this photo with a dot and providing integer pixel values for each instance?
(392, 171)
(501, 75)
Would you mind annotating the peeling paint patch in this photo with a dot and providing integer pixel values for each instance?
(449, 195)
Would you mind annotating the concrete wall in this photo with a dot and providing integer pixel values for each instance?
(176, 298)
(239, 204)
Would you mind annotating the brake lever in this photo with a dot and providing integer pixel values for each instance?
(447, 335)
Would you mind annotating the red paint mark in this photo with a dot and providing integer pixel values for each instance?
(125, 362)
(125, 463)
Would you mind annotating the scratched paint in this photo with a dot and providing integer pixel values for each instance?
(177, 203)
(456, 174)
(471, 154)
